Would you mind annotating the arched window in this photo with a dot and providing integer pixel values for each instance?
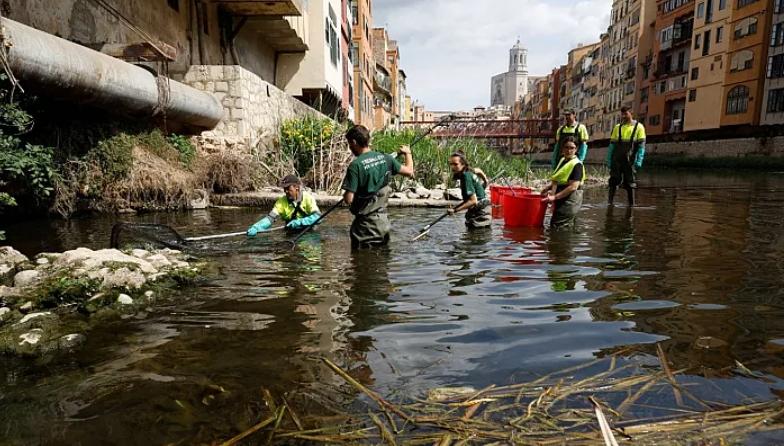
(738, 100)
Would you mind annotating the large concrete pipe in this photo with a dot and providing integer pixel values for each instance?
(74, 72)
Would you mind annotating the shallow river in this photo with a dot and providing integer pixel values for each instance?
(697, 267)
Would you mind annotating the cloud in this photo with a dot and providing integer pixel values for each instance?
(451, 48)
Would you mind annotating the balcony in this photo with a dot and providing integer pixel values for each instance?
(262, 7)
(282, 33)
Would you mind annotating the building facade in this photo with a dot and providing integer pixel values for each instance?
(773, 105)
(512, 86)
(707, 64)
(347, 102)
(668, 71)
(364, 62)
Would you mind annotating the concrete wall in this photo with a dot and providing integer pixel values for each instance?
(86, 23)
(254, 108)
(727, 148)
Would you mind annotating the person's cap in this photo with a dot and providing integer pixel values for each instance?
(569, 111)
(289, 180)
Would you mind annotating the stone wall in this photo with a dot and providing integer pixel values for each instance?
(725, 148)
(254, 109)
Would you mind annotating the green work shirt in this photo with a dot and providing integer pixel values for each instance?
(471, 184)
(369, 172)
(623, 133)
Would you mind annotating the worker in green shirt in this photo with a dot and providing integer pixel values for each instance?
(297, 208)
(573, 129)
(472, 187)
(565, 187)
(366, 188)
(625, 155)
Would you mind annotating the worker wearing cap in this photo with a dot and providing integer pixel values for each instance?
(625, 155)
(575, 130)
(297, 208)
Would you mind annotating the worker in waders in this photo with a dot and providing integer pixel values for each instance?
(625, 155)
(472, 187)
(366, 188)
(575, 130)
(565, 186)
(297, 208)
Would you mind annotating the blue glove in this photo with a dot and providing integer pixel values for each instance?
(610, 150)
(304, 221)
(639, 157)
(582, 152)
(260, 226)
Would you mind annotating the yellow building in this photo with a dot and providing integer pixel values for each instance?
(364, 62)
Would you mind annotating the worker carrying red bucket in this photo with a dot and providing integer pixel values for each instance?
(565, 190)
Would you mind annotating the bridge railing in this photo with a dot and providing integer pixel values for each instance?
(491, 128)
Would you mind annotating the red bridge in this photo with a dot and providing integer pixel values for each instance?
(491, 128)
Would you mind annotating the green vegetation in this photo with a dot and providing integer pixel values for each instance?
(300, 138)
(431, 156)
(63, 290)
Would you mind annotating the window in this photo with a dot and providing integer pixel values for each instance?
(709, 11)
(778, 6)
(722, 4)
(719, 34)
(777, 34)
(742, 60)
(695, 73)
(174, 4)
(776, 100)
(697, 40)
(692, 95)
(701, 10)
(742, 3)
(776, 66)
(706, 44)
(654, 120)
(738, 100)
(746, 27)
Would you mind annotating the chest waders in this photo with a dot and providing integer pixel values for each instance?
(566, 209)
(371, 226)
(478, 216)
(622, 172)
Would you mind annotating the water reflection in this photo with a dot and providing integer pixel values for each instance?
(697, 270)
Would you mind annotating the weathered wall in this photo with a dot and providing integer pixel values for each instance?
(727, 148)
(86, 23)
(254, 109)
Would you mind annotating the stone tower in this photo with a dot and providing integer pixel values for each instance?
(518, 59)
(507, 88)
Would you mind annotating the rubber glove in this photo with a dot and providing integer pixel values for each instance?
(582, 152)
(304, 221)
(638, 159)
(259, 226)
(610, 150)
(556, 155)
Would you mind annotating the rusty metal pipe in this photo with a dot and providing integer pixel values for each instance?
(73, 72)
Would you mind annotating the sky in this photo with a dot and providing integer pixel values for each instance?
(450, 49)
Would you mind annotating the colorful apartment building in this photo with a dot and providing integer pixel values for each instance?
(364, 62)
(668, 70)
(745, 72)
(707, 64)
(347, 102)
(773, 100)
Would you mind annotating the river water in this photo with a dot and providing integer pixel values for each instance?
(697, 267)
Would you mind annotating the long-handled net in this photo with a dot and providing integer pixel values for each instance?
(157, 236)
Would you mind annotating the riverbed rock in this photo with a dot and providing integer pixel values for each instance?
(453, 194)
(398, 195)
(436, 194)
(9, 255)
(124, 299)
(26, 307)
(200, 199)
(4, 313)
(89, 259)
(422, 192)
(26, 278)
(27, 319)
(71, 341)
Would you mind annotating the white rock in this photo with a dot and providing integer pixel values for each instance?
(397, 195)
(3, 312)
(124, 278)
(124, 299)
(437, 194)
(26, 278)
(95, 259)
(453, 194)
(201, 199)
(159, 261)
(423, 192)
(412, 195)
(7, 291)
(26, 307)
(72, 340)
(5, 269)
(149, 294)
(96, 297)
(32, 316)
(42, 261)
(32, 337)
(140, 253)
(11, 256)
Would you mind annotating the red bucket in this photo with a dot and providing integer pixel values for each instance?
(524, 210)
(497, 192)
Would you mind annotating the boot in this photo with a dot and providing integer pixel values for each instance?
(630, 195)
(611, 196)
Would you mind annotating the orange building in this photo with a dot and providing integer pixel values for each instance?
(744, 82)
(364, 62)
(668, 72)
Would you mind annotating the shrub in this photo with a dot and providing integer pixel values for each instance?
(300, 138)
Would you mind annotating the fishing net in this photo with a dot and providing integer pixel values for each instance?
(146, 236)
